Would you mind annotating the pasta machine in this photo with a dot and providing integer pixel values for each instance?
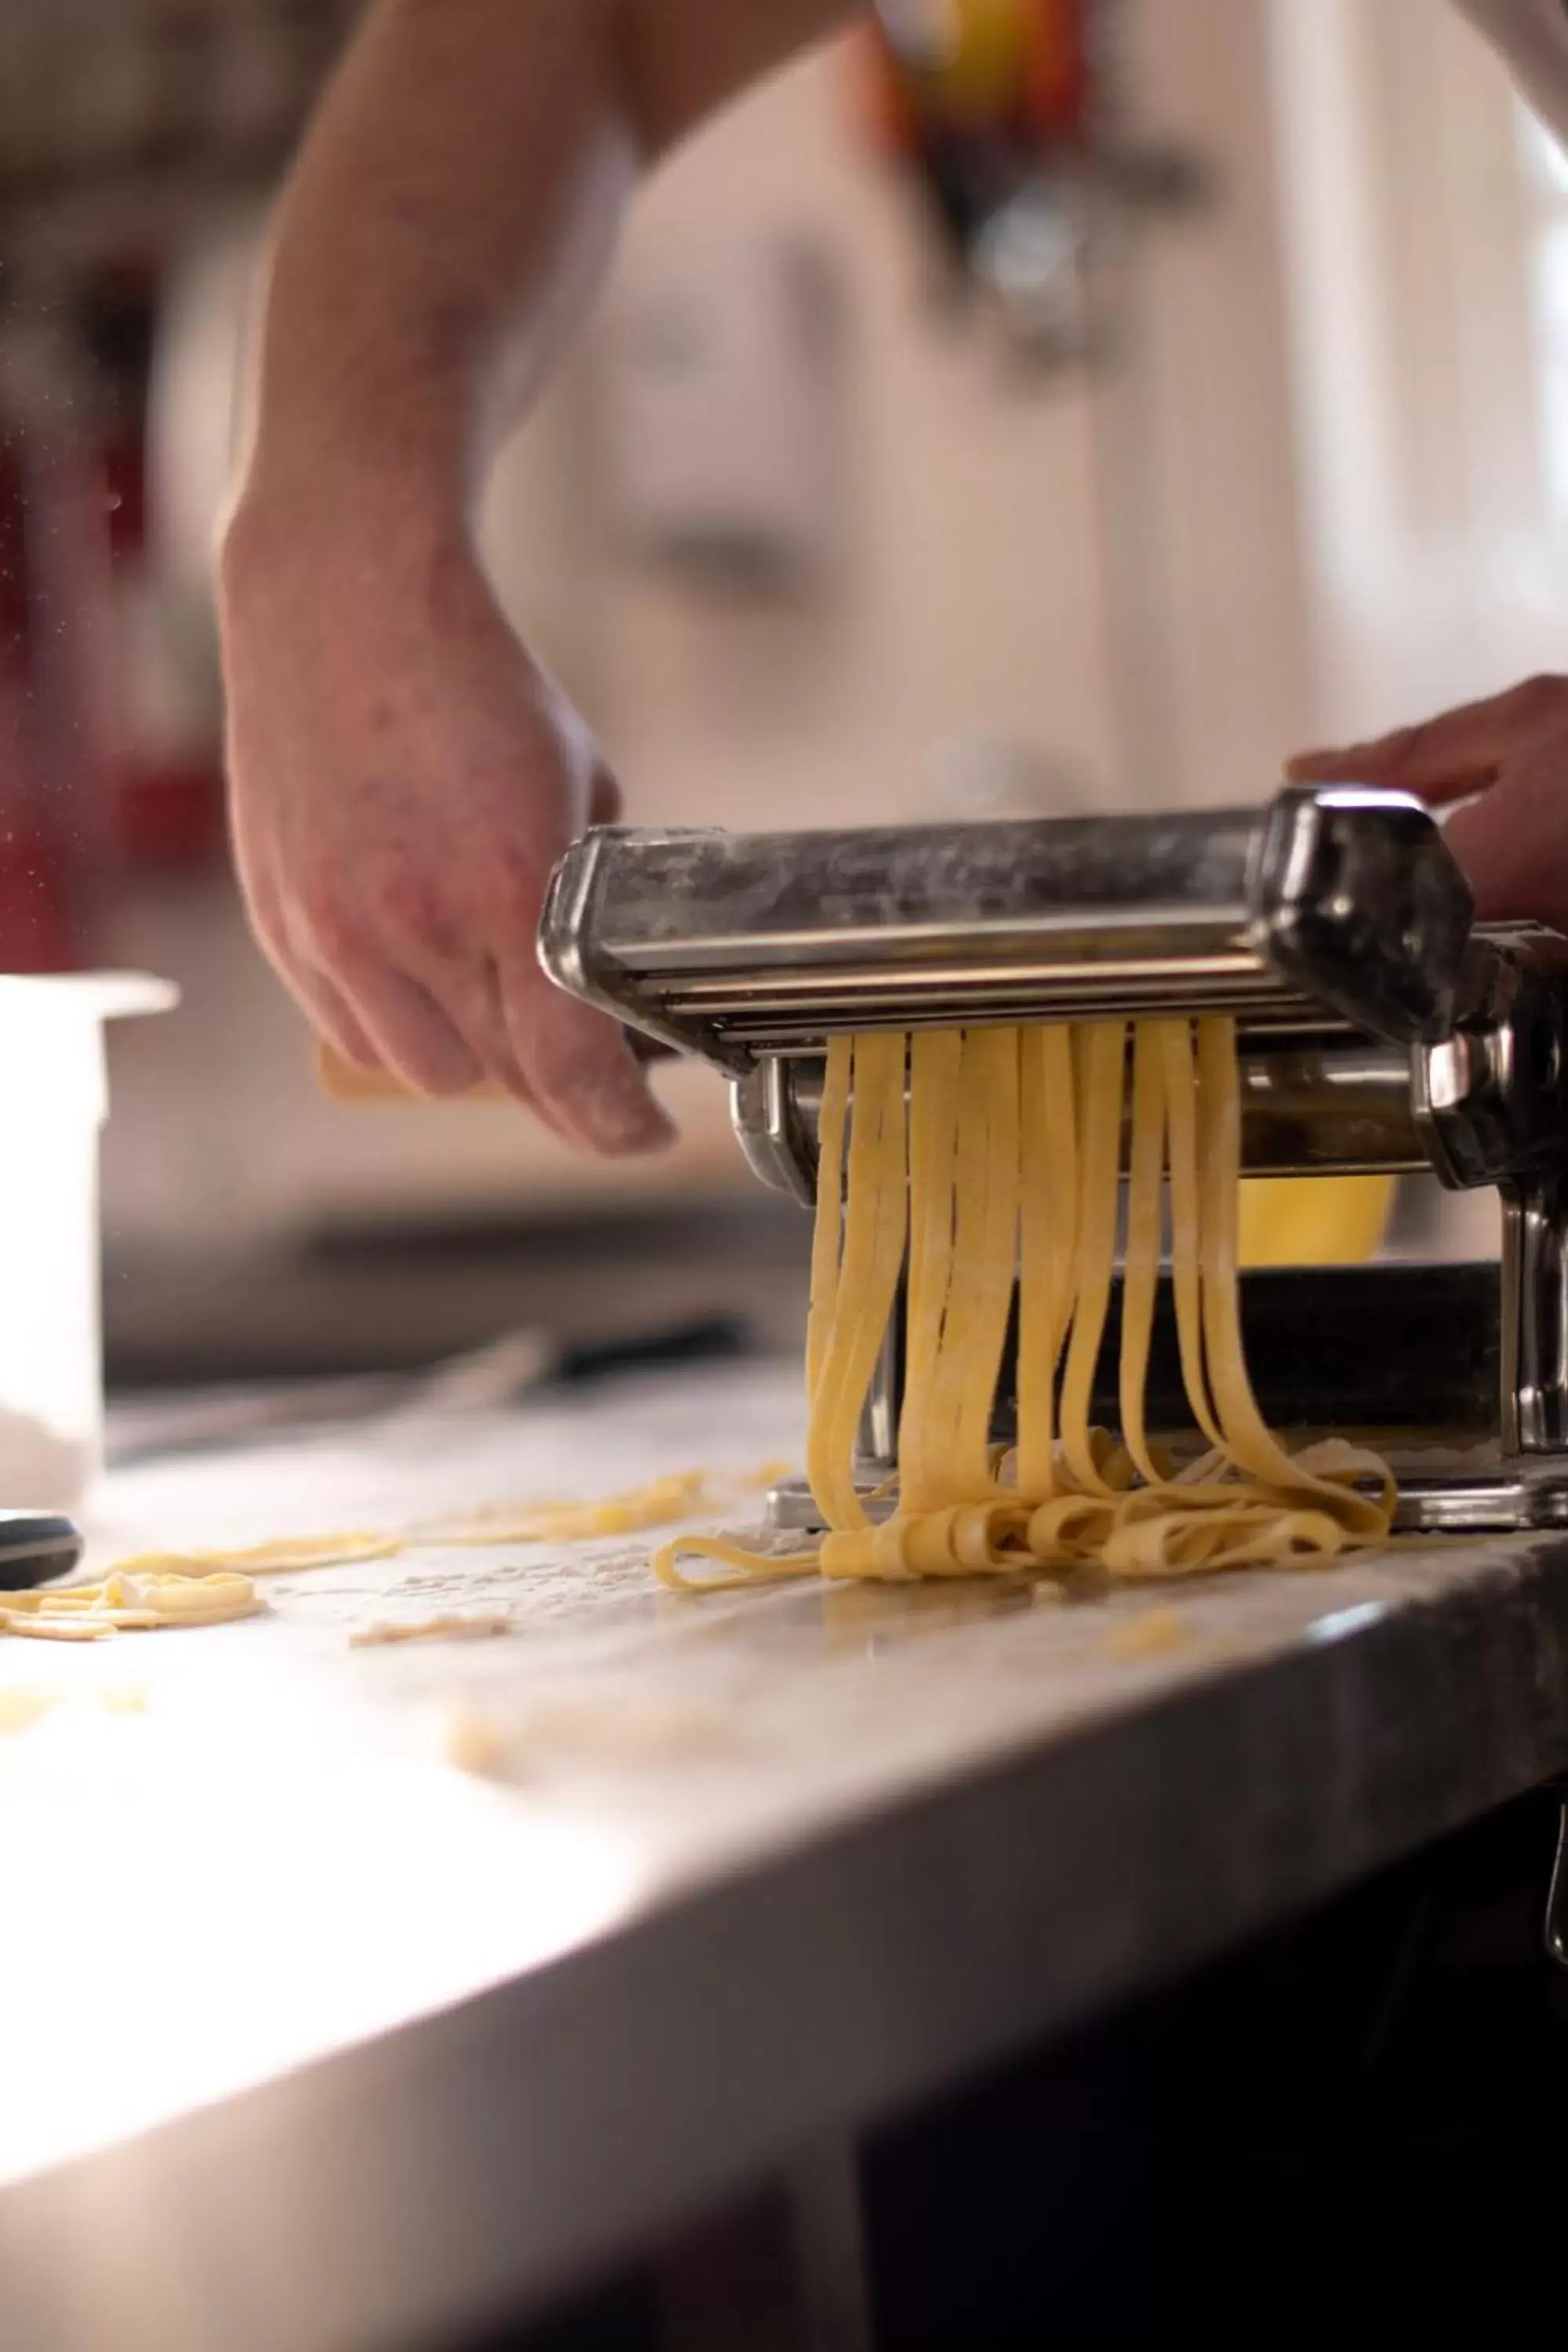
(1379, 1029)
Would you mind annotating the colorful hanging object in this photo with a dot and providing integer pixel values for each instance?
(1016, 70)
(985, 101)
(1004, 115)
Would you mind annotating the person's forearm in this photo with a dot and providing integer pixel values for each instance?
(403, 773)
(1531, 36)
(450, 213)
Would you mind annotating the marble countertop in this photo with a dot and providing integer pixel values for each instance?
(420, 1979)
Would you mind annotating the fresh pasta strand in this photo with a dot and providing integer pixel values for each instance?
(1104, 1064)
(279, 1558)
(1009, 1160)
(957, 1315)
(1048, 1245)
(874, 1224)
(826, 1235)
(935, 1124)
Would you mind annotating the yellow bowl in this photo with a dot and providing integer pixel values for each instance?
(1313, 1220)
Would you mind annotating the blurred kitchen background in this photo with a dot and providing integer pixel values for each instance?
(968, 430)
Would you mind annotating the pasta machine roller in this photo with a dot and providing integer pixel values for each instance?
(1379, 1029)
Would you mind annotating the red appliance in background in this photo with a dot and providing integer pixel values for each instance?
(166, 790)
(128, 124)
(54, 763)
(83, 791)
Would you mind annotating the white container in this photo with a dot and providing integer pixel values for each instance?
(54, 1086)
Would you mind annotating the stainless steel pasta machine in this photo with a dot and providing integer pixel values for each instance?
(1379, 1029)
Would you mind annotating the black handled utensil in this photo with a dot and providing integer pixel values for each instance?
(35, 1548)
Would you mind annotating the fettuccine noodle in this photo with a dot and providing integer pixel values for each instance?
(1004, 1166)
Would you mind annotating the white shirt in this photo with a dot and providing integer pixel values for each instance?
(1532, 35)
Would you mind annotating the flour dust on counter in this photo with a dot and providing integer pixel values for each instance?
(439, 1517)
(216, 1584)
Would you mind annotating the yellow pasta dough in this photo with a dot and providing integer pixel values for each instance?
(477, 1627)
(1004, 1164)
(128, 1601)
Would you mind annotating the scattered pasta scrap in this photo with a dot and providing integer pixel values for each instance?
(129, 1602)
(1147, 1635)
(986, 1158)
(286, 1555)
(658, 1504)
(455, 1628)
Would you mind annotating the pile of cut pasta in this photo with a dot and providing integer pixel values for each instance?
(986, 1158)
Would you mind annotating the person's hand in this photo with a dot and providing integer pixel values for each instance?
(1513, 752)
(403, 778)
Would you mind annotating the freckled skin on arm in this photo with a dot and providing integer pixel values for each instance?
(403, 772)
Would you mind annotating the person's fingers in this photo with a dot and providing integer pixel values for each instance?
(580, 1073)
(323, 1003)
(473, 1001)
(329, 1014)
(458, 965)
(269, 926)
(335, 1020)
(412, 1036)
(605, 801)
(578, 1062)
(1447, 758)
(1442, 759)
(491, 1036)
(468, 991)
(1514, 846)
(1439, 782)
(330, 934)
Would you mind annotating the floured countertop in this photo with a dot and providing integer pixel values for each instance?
(629, 1897)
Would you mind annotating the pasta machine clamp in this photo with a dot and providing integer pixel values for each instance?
(1379, 1029)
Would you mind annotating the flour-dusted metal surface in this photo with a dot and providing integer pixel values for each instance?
(417, 1981)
